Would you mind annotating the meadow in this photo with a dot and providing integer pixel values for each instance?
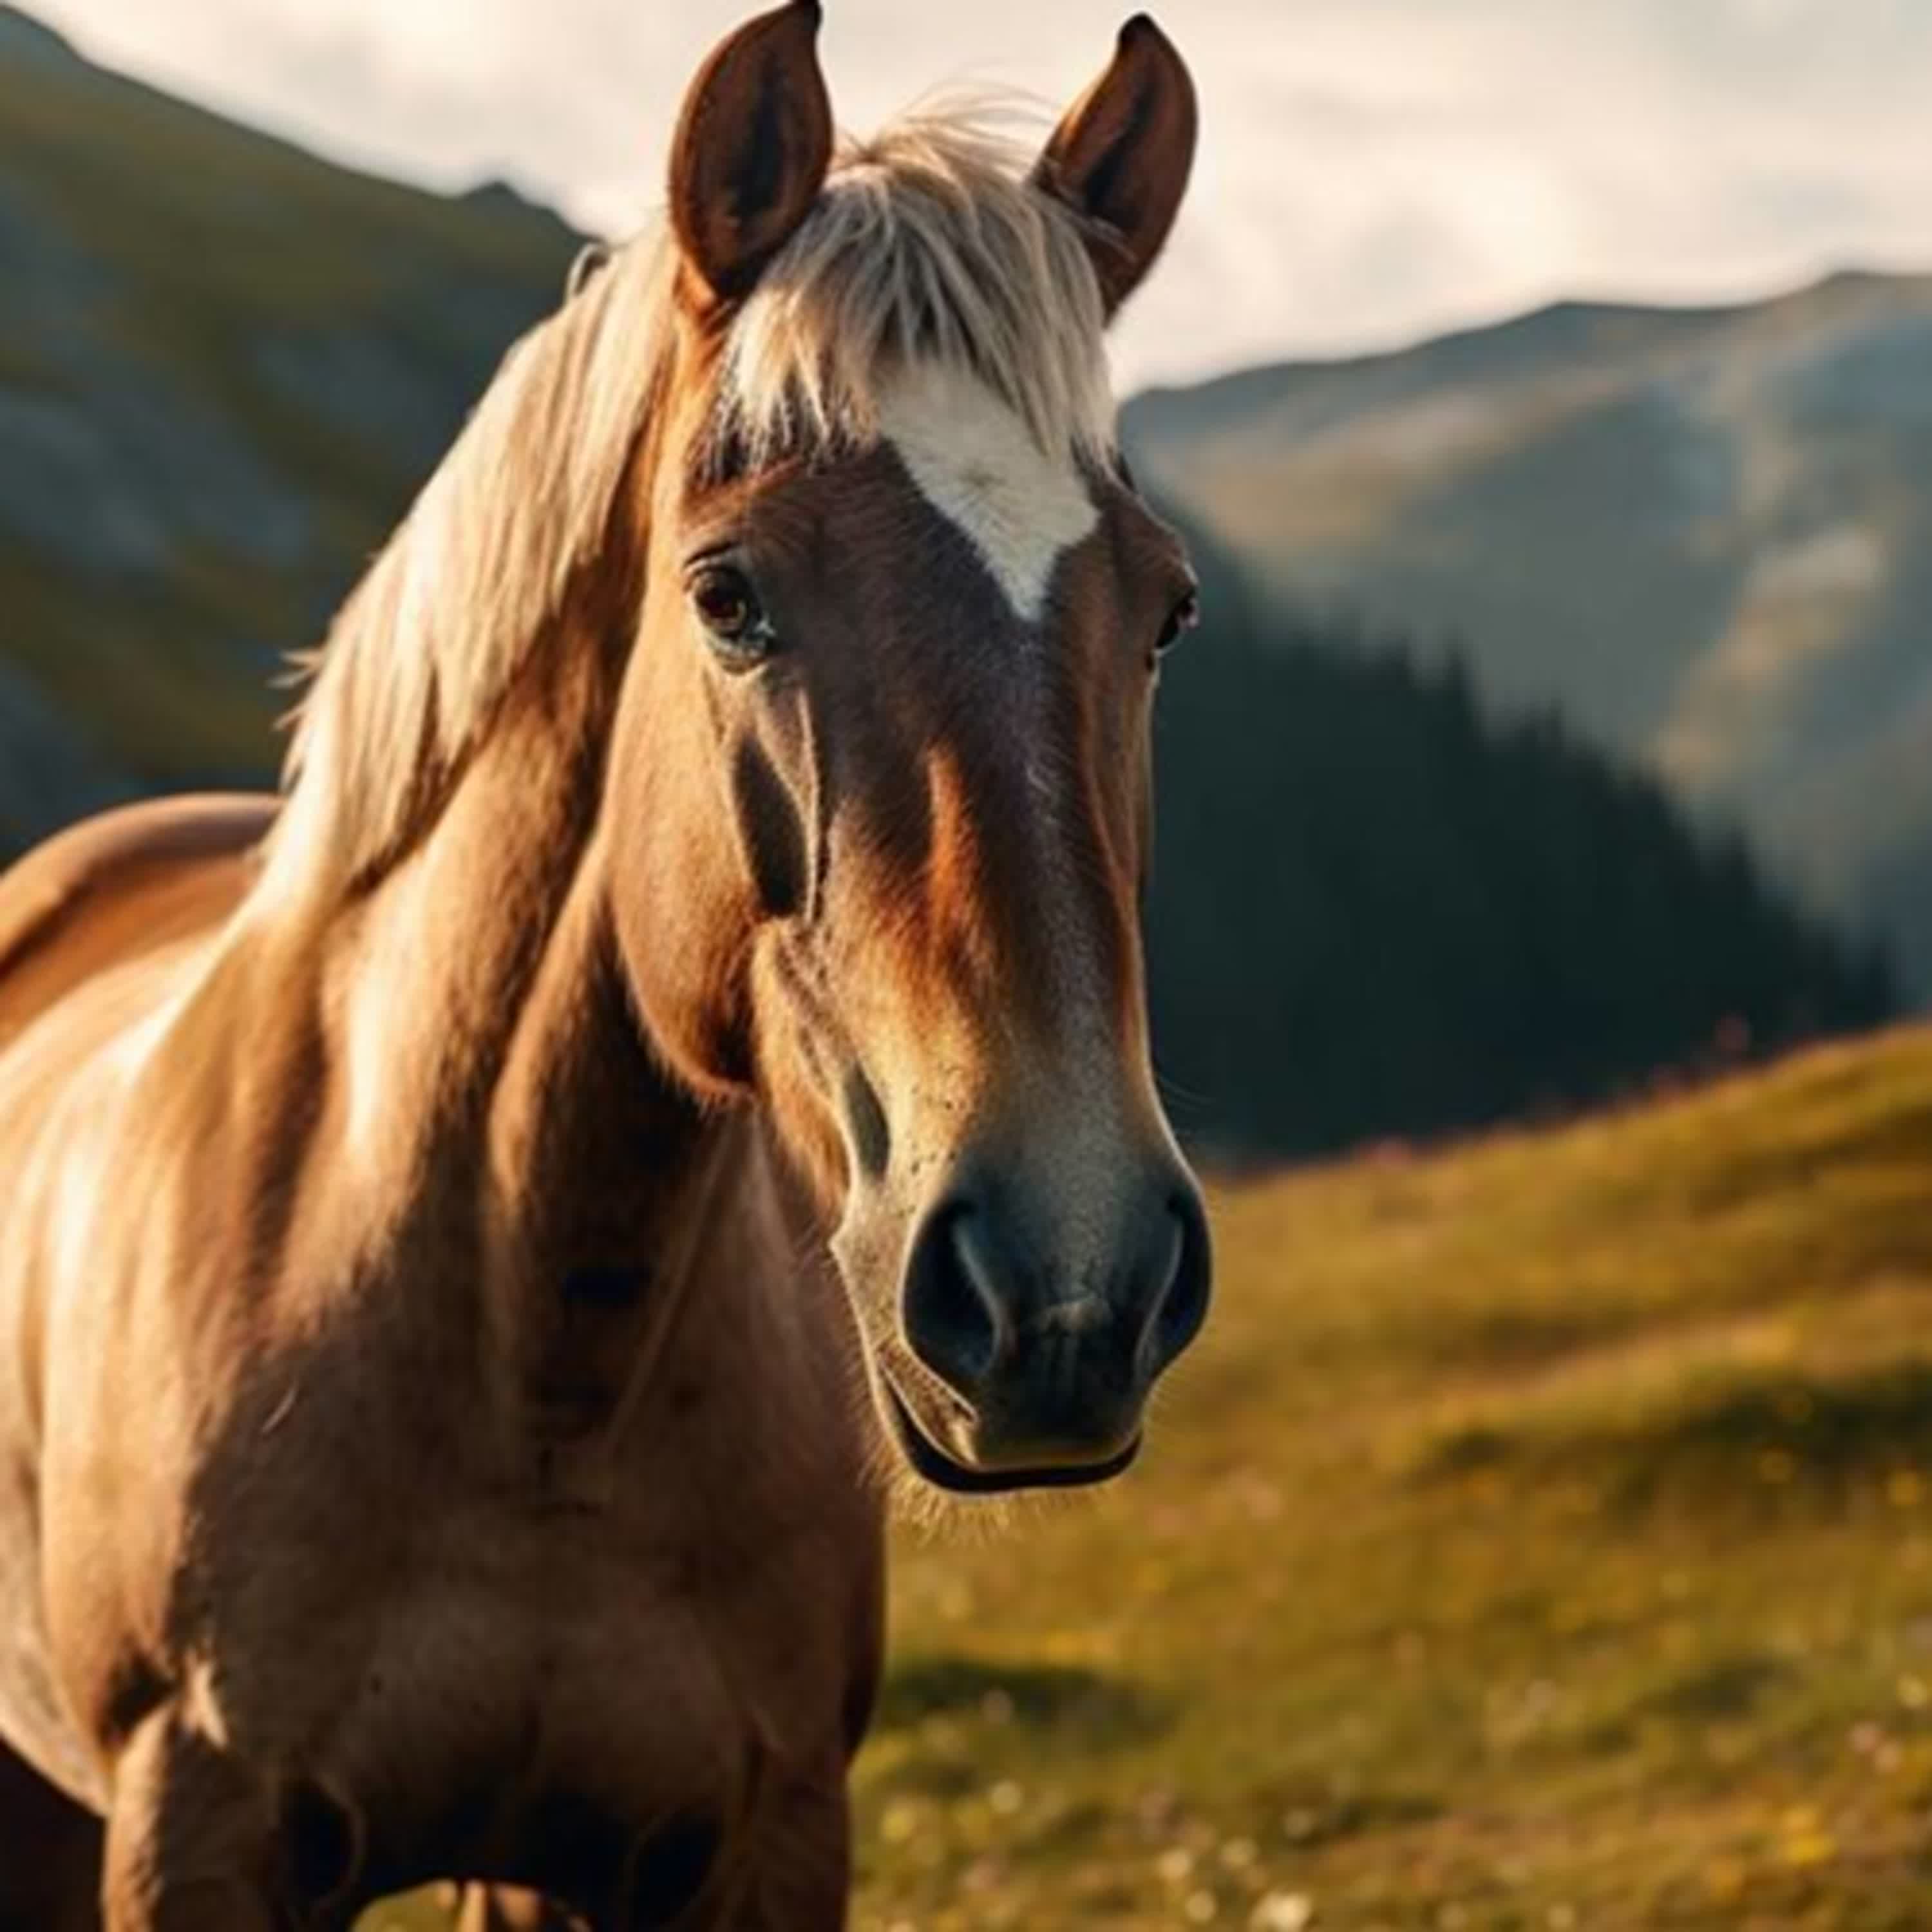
(1541, 1537)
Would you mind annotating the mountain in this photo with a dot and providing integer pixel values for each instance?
(225, 366)
(1702, 537)
(1374, 910)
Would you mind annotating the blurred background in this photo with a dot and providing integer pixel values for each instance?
(1540, 1539)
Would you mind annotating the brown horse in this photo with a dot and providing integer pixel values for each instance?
(475, 1237)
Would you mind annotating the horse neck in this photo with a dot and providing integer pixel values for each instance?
(495, 1076)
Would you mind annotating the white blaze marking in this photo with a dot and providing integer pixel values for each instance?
(977, 463)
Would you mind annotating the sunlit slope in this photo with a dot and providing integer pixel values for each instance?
(1704, 536)
(225, 366)
(1542, 1537)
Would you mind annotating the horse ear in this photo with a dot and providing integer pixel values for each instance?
(753, 144)
(1121, 157)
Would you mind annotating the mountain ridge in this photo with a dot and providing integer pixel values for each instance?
(1558, 310)
(1701, 535)
(226, 367)
(22, 34)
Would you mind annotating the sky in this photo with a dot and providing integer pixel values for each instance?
(1371, 171)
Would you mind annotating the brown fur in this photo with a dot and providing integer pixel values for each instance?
(116, 887)
(446, 1265)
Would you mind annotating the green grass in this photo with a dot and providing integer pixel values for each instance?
(1541, 1537)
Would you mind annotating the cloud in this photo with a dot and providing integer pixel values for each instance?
(1371, 169)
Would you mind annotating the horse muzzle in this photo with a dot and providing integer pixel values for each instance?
(1039, 1312)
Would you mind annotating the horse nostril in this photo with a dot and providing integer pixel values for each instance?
(324, 1844)
(954, 1319)
(1181, 1305)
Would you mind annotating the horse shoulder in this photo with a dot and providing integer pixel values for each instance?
(112, 888)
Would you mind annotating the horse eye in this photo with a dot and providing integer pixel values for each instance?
(729, 609)
(1185, 616)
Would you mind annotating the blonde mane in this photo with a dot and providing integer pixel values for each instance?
(928, 243)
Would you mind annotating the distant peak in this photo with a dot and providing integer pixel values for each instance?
(23, 37)
(497, 193)
(1853, 279)
(502, 199)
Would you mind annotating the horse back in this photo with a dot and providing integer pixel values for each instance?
(112, 888)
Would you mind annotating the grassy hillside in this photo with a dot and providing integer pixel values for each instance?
(1540, 1538)
(225, 366)
(1705, 536)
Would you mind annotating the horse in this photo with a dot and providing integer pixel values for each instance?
(486, 1233)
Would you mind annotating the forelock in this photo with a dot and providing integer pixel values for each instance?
(929, 243)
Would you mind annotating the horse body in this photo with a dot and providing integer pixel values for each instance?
(459, 1607)
(475, 1236)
